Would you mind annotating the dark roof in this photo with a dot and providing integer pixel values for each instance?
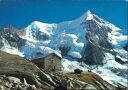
(47, 56)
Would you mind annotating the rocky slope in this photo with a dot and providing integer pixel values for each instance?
(85, 43)
(19, 74)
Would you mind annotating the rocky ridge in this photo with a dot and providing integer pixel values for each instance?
(19, 74)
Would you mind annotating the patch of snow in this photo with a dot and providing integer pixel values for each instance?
(14, 79)
(112, 27)
(44, 27)
(74, 54)
(89, 15)
(68, 38)
(69, 65)
(110, 62)
(11, 50)
(123, 59)
(33, 51)
(36, 28)
(110, 77)
(121, 53)
(117, 39)
(107, 74)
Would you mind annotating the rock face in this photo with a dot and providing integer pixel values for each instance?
(97, 39)
(19, 74)
(11, 37)
(13, 83)
(17, 69)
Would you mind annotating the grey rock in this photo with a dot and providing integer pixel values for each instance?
(1, 87)
(31, 87)
(14, 79)
(90, 87)
(18, 87)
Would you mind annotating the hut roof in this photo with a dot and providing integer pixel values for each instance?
(42, 57)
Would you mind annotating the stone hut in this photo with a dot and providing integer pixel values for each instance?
(51, 63)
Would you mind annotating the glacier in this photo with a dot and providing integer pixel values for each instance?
(42, 39)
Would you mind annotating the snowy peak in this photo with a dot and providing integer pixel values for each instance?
(85, 17)
(102, 29)
(42, 25)
(88, 15)
(38, 31)
(88, 37)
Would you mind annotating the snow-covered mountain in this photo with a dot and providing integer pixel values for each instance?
(81, 42)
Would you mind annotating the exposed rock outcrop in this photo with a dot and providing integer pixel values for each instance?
(19, 74)
(97, 40)
(11, 37)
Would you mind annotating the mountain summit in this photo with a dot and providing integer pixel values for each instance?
(89, 15)
(83, 42)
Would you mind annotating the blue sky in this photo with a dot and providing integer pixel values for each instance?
(20, 13)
